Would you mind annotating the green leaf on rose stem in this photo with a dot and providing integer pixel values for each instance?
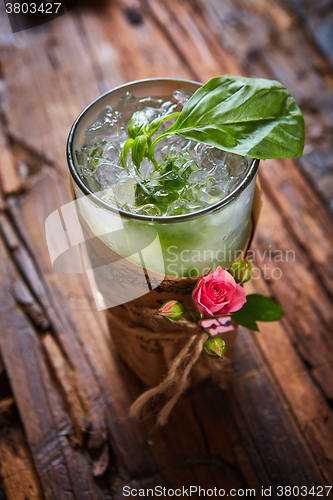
(137, 124)
(252, 117)
(139, 149)
(154, 125)
(257, 308)
(124, 152)
(248, 322)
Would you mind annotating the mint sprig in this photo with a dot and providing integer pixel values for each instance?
(257, 308)
(253, 117)
(140, 141)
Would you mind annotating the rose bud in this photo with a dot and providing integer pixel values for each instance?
(218, 293)
(172, 310)
(215, 347)
(241, 270)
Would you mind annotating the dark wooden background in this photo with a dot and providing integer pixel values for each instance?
(64, 398)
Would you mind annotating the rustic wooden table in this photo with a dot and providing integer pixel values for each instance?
(64, 398)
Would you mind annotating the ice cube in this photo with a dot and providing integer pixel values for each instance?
(106, 173)
(171, 146)
(124, 191)
(111, 152)
(181, 97)
(148, 209)
(238, 165)
(126, 106)
(198, 177)
(178, 207)
(153, 102)
(146, 167)
(168, 107)
(106, 127)
(201, 175)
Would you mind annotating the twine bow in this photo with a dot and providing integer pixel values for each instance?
(176, 381)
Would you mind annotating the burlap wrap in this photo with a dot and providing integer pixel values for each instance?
(165, 355)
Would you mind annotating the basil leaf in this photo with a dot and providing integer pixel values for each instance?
(139, 149)
(257, 308)
(96, 151)
(124, 152)
(137, 123)
(157, 122)
(252, 117)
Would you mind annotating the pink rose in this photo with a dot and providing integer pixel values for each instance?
(218, 293)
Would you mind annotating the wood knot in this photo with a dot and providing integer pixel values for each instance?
(133, 16)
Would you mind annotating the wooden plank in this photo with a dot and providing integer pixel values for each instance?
(269, 423)
(45, 421)
(45, 51)
(306, 303)
(155, 56)
(217, 31)
(126, 435)
(301, 381)
(18, 477)
(81, 335)
(175, 430)
(302, 195)
(88, 377)
(10, 181)
(308, 219)
(66, 380)
(185, 27)
(285, 55)
(30, 306)
(306, 215)
(317, 18)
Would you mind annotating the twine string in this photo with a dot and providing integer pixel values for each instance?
(173, 377)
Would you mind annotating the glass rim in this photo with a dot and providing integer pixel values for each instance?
(149, 218)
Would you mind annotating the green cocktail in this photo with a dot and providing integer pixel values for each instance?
(164, 176)
(185, 217)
